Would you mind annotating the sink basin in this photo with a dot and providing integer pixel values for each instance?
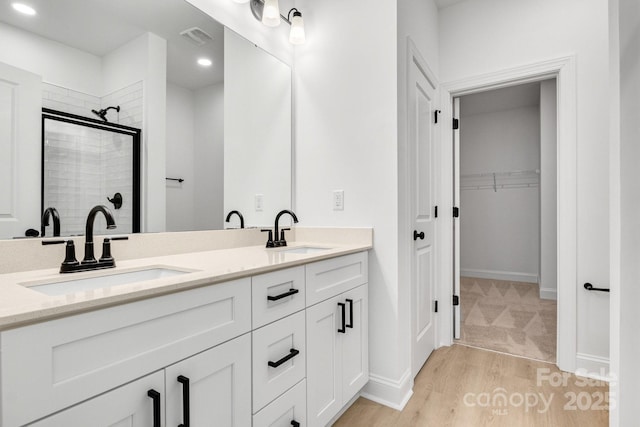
(104, 281)
(304, 250)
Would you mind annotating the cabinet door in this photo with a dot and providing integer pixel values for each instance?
(219, 386)
(286, 410)
(355, 342)
(324, 383)
(128, 406)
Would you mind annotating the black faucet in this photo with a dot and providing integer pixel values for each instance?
(239, 216)
(53, 213)
(71, 265)
(281, 240)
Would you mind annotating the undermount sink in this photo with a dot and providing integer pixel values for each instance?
(70, 286)
(304, 250)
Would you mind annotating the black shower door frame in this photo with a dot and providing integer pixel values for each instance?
(135, 133)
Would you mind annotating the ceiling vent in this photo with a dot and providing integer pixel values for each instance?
(196, 36)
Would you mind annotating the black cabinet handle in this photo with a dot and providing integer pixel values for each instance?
(186, 412)
(292, 353)
(294, 423)
(417, 235)
(350, 324)
(156, 406)
(284, 295)
(344, 314)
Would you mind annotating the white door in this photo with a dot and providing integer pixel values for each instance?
(20, 151)
(421, 146)
(129, 405)
(219, 386)
(324, 360)
(456, 219)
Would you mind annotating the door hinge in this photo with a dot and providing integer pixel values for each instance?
(435, 116)
(456, 300)
(456, 124)
(435, 212)
(436, 306)
(456, 212)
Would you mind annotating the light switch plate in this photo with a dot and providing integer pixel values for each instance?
(259, 202)
(338, 200)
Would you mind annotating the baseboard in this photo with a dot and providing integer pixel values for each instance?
(499, 275)
(591, 366)
(387, 392)
(548, 293)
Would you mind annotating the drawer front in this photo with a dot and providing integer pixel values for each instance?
(285, 411)
(282, 343)
(276, 295)
(328, 278)
(68, 360)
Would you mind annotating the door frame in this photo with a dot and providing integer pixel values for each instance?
(564, 70)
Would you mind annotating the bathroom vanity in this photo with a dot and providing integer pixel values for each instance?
(243, 336)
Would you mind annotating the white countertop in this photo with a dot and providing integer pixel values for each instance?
(20, 305)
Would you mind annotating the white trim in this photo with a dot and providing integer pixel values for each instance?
(564, 69)
(548, 293)
(388, 392)
(591, 366)
(510, 276)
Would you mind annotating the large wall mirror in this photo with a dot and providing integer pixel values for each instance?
(214, 112)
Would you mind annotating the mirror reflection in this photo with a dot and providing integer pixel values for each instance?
(214, 112)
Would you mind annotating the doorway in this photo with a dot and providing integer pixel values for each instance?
(506, 192)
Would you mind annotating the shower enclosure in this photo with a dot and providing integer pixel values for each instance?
(88, 162)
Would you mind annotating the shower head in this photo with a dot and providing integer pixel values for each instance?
(103, 113)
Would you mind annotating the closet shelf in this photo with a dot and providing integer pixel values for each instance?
(500, 180)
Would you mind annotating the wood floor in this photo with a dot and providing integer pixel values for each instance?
(467, 387)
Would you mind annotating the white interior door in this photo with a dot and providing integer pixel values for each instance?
(456, 220)
(20, 133)
(422, 92)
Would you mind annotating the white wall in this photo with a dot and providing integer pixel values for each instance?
(625, 151)
(481, 36)
(145, 59)
(257, 131)
(58, 64)
(180, 158)
(499, 230)
(548, 193)
(209, 158)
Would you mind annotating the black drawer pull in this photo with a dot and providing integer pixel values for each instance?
(350, 324)
(294, 423)
(156, 406)
(286, 294)
(344, 314)
(292, 353)
(186, 412)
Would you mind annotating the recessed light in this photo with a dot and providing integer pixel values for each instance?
(204, 62)
(23, 8)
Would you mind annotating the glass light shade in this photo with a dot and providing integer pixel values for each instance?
(23, 8)
(296, 36)
(241, 1)
(271, 13)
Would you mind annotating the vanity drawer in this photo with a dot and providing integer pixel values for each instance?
(282, 343)
(328, 278)
(284, 411)
(68, 360)
(276, 295)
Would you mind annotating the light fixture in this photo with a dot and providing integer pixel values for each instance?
(296, 35)
(260, 9)
(23, 8)
(205, 62)
(271, 13)
(241, 1)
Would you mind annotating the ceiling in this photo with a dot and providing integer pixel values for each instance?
(524, 95)
(99, 27)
